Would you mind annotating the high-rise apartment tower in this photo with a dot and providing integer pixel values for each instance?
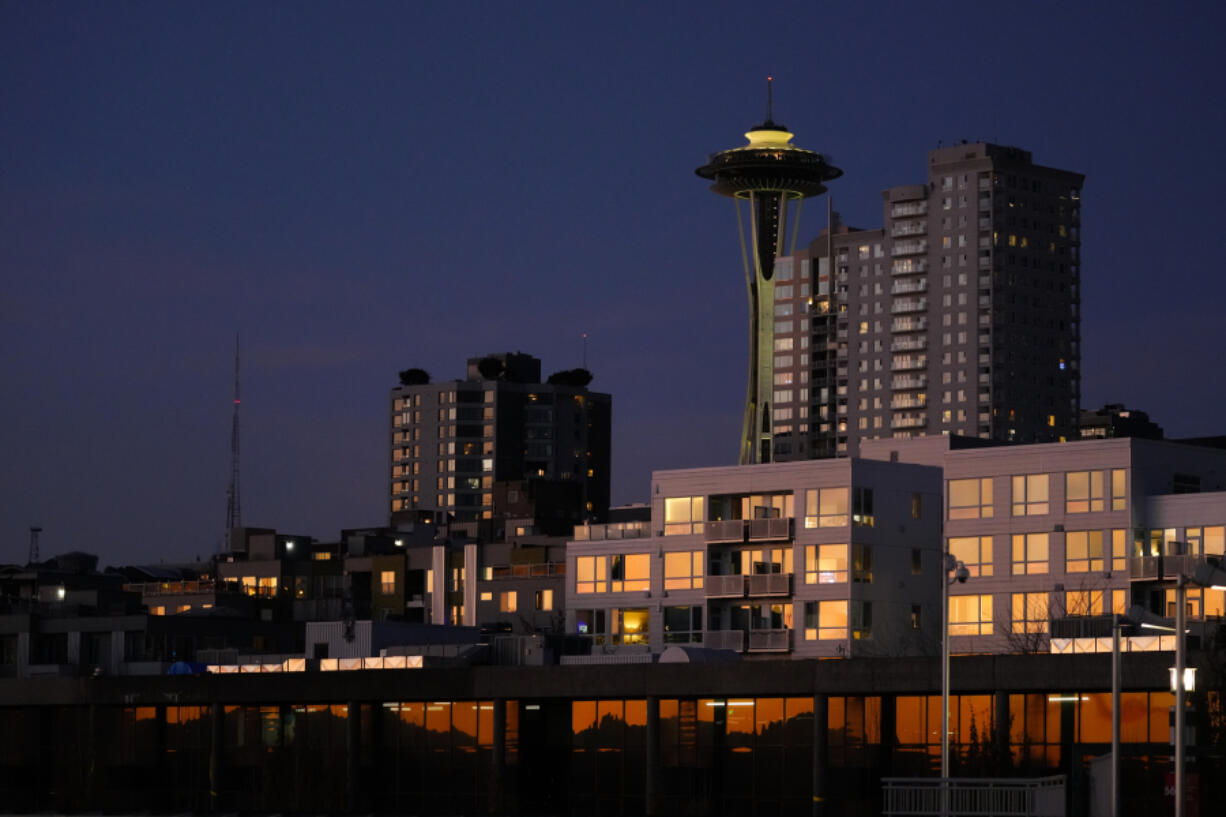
(451, 441)
(960, 316)
(771, 176)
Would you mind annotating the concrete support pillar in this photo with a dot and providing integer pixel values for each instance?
(498, 759)
(821, 758)
(216, 738)
(353, 754)
(651, 780)
(889, 733)
(1000, 735)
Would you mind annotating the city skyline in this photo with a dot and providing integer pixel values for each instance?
(356, 192)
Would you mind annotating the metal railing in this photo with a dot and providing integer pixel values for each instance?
(770, 584)
(973, 796)
(724, 640)
(724, 586)
(769, 640)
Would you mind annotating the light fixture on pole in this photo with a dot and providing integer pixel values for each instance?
(953, 571)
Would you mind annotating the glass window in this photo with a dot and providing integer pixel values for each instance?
(387, 582)
(1119, 490)
(862, 620)
(683, 570)
(630, 572)
(1030, 612)
(862, 564)
(544, 599)
(1030, 495)
(970, 498)
(683, 515)
(1029, 553)
(591, 574)
(507, 601)
(1119, 550)
(633, 626)
(862, 507)
(1083, 551)
(970, 615)
(973, 551)
(826, 508)
(1083, 491)
(825, 620)
(1083, 602)
(825, 564)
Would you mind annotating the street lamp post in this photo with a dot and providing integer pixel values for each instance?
(953, 571)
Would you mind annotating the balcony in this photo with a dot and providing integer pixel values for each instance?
(909, 266)
(908, 422)
(909, 248)
(909, 325)
(909, 208)
(724, 640)
(770, 584)
(770, 640)
(909, 287)
(616, 530)
(751, 530)
(904, 383)
(1160, 568)
(909, 305)
(909, 344)
(908, 362)
(724, 587)
(909, 402)
(909, 228)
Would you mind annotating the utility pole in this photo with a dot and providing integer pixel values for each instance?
(234, 503)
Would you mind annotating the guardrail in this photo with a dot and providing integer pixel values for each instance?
(973, 796)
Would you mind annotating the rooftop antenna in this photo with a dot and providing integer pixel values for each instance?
(770, 102)
(35, 530)
(585, 350)
(234, 503)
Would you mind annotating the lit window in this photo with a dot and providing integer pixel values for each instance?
(970, 498)
(630, 572)
(544, 599)
(683, 570)
(1119, 490)
(507, 601)
(825, 564)
(975, 552)
(591, 574)
(862, 507)
(1083, 491)
(1083, 603)
(826, 508)
(1029, 553)
(825, 620)
(970, 615)
(1030, 495)
(1083, 551)
(683, 515)
(387, 582)
(1030, 612)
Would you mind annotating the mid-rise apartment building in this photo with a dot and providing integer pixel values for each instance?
(451, 441)
(843, 557)
(960, 316)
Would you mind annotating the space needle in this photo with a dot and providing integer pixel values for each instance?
(769, 174)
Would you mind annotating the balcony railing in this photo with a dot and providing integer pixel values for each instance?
(724, 640)
(753, 530)
(528, 571)
(1156, 568)
(770, 640)
(613, 530)
(770, 584)
(725, 587)
(980, 796)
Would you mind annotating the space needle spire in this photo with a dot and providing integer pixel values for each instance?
(769, 175)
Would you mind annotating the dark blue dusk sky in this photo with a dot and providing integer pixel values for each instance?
(358, 188)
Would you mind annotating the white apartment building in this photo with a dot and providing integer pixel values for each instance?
(834, 558)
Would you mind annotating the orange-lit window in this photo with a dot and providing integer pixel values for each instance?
(1083, 491)
(970, 615)
(825, 564)
(973, 551)
(1029, 553)
(683, 570)
(1030, 495)
(970, 498)
(1083, 551)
